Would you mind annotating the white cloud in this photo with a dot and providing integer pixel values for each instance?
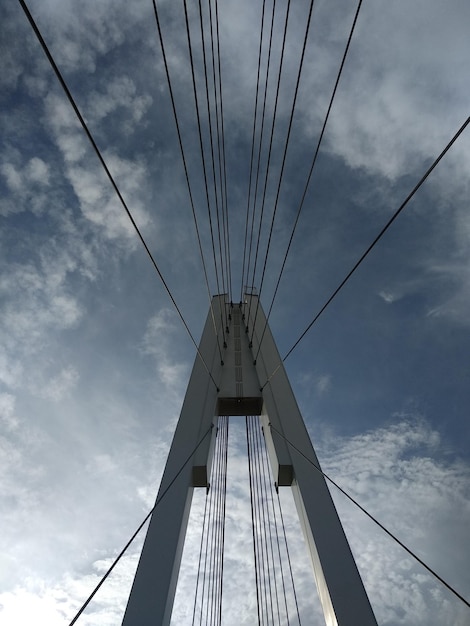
(12, 176)
(60, 385)
(121, 93)
(25, 181)
(157, 342)
(7, 411)
(385, 115)
(394, 473)
(323, 384)
(57, 603)
(388, 296)
(313, 381)
(38, 171)
(97, 198)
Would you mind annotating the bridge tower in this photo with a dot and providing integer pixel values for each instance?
(237, 387)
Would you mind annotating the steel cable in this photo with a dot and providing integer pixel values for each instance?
(253, 527)
(211, 141)
(222, 543)
(109, 175)
(330, 105)
(281, 62)
(270, 488)
(198, 575)
(258, 166)
(201, 146)
(373, 244)
(288, 556)
(255, 117)
(215, 76)
(264, 482)
(291, 119)
(229, 264)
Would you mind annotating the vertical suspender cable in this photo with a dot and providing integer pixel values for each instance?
(263, 117)
(218, 521)
(227, 225)
(255, 117)
(262, 526)
(203, 535)
(201, 145)
(253, 527)
(213, 549)
(218, 150)
(222, 542)
(207, 549)
(288, 557)
(320, 139)
(217, 559)
(210, 567)
(216, 73)
(272, 573)
(281, 62)
(266, 492)
(307, 29)
(276, 529)
(211, 138)
(180, 141)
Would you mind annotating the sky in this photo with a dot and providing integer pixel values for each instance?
(94, 360)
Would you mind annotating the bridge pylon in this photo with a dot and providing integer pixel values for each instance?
(234, 334)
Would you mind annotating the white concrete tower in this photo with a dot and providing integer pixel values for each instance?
(237, 391)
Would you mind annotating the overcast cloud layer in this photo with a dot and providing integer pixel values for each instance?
(94, 360)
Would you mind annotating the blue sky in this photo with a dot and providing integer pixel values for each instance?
(94, 361)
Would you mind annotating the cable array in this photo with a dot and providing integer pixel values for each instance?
(204, 168)
(213, 157)
(258, 163)
(291, 119)
(275, 590)
(183, 157)
(255, 117)
(109, 175)
(307, 184)
(207, 608)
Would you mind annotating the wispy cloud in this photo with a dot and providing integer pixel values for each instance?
(398, 475)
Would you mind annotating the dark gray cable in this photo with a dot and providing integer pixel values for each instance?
(374, 242)
(108, 173)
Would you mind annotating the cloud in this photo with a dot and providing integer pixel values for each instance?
(388, 296)
(57, 603)
(375, 123)
(7, 411)
(60, 385)
(312, 381)
(121, 93)
(157, 342)
(399, 476)
(323, 384)
(26, 182)
(96, 196)
(37, 302)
